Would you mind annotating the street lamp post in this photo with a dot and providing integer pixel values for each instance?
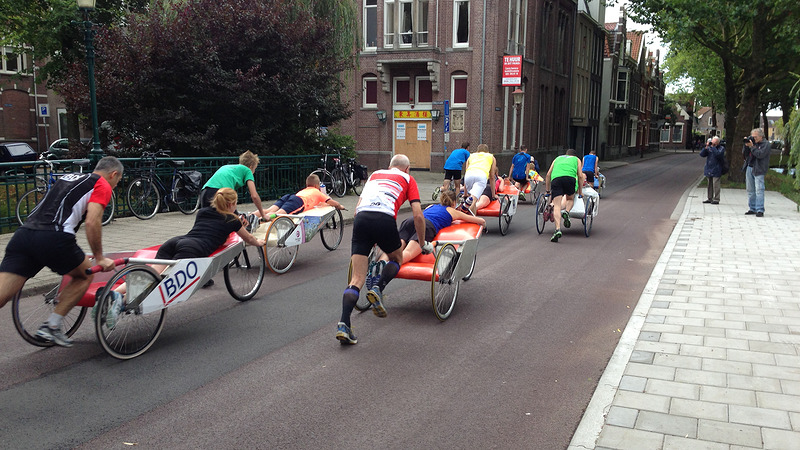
(517, 95)
(86, 6)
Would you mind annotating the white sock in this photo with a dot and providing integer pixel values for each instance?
(54, 321)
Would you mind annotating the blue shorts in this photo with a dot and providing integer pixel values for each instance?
(290, 203)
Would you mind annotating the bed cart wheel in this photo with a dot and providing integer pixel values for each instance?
(143, 198)
(444, 285)
(30, 313)
(332, 231)
(471, 267)
(505, 218)
(279, 257)
(339, 187)
(244, 275)
(27, 202)
(186, 201)
(541, 205)
(588, 218)
(111, 208)
(134, 332)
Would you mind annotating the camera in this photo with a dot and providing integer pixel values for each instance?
(749, 139)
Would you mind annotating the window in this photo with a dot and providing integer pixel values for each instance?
(516, 26)
(461, 23)
(406, 23)
(370, 94)
(458, 91)
(370, 24)
(402, 93)
(622, 86)
(388, 23)
(677, 133)
(424, 90)
(11, 61)
(546, 34)
(422, 23)
(665, 133)
(711, 120)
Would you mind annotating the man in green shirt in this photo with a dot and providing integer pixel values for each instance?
(564, 179)
(234, 176)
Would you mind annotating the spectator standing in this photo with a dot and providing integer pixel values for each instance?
(714, 153)
(756, 156)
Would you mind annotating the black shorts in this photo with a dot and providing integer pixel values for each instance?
(370, 228)
(290, 203)
(487, 191)
(451, 174)
(562, 186)
(408, 232)
(521, 181)
(589, 176)
(206, 195)
(29, 251)
(181, 247)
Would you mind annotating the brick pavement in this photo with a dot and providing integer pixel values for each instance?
(711, 355)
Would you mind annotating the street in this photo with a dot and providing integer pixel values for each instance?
(513, 367)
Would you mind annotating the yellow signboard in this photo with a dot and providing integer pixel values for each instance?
(412, 114)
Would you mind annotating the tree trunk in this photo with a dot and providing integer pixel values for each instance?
(76, 150)
(744, 124)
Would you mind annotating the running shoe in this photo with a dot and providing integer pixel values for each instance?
(375, 297)
(117, 303)
(565, 216)
(54, 335)
(345, 334)
(253, 222)
(521, 197)
(556, 235)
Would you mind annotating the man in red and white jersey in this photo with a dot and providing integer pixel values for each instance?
(375, 222)
(47, 239)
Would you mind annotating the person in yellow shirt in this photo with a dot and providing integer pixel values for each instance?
(478, 170)
(306, 199)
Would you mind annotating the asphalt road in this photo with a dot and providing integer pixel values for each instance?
(513, 367)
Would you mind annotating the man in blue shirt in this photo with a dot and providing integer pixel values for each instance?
(590, 168)
(520, 165)
(452, 167)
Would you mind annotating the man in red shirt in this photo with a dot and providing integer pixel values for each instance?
(375, 223)
(47, 239)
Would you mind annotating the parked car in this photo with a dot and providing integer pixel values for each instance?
(16, 152)
(60, 147)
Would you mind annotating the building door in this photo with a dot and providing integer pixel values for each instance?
(413, 139)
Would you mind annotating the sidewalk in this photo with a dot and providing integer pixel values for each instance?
(711, 355)
(130, 233)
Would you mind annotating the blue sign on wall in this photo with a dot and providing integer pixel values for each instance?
(447, 116)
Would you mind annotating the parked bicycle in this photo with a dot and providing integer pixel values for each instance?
(28, 201)
(145, 193)
(346, 174)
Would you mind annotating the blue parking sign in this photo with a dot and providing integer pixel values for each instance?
(447, 116)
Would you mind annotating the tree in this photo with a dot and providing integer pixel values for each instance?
(203, 77)
(753, 40)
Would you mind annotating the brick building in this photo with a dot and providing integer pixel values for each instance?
(426, 65)
(21, 101)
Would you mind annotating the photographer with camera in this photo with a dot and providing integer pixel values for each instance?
(756, 163)
(714, 153)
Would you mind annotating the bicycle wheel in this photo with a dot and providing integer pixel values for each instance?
(143, 198)
(28, 201)
(111, 208)
(588, 217)
(279, 257)
(541, 205)
(244, 275)
(444, 285)
(339, 183)
(134, 331)
(30, 313)
(186, 201)
(505, 218)
(332, 231)
(325, 178)
(358, 185)
(471, 267)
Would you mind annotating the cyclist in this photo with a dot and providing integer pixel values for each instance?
(453, 165)
(564, 177)
(306, 199)
(234, 176)
(375, 222)
(211, 229)
(47, 239)
(479, 169)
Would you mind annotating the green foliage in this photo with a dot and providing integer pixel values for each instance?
(333, 140)
(203, 77)
(792, 134)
